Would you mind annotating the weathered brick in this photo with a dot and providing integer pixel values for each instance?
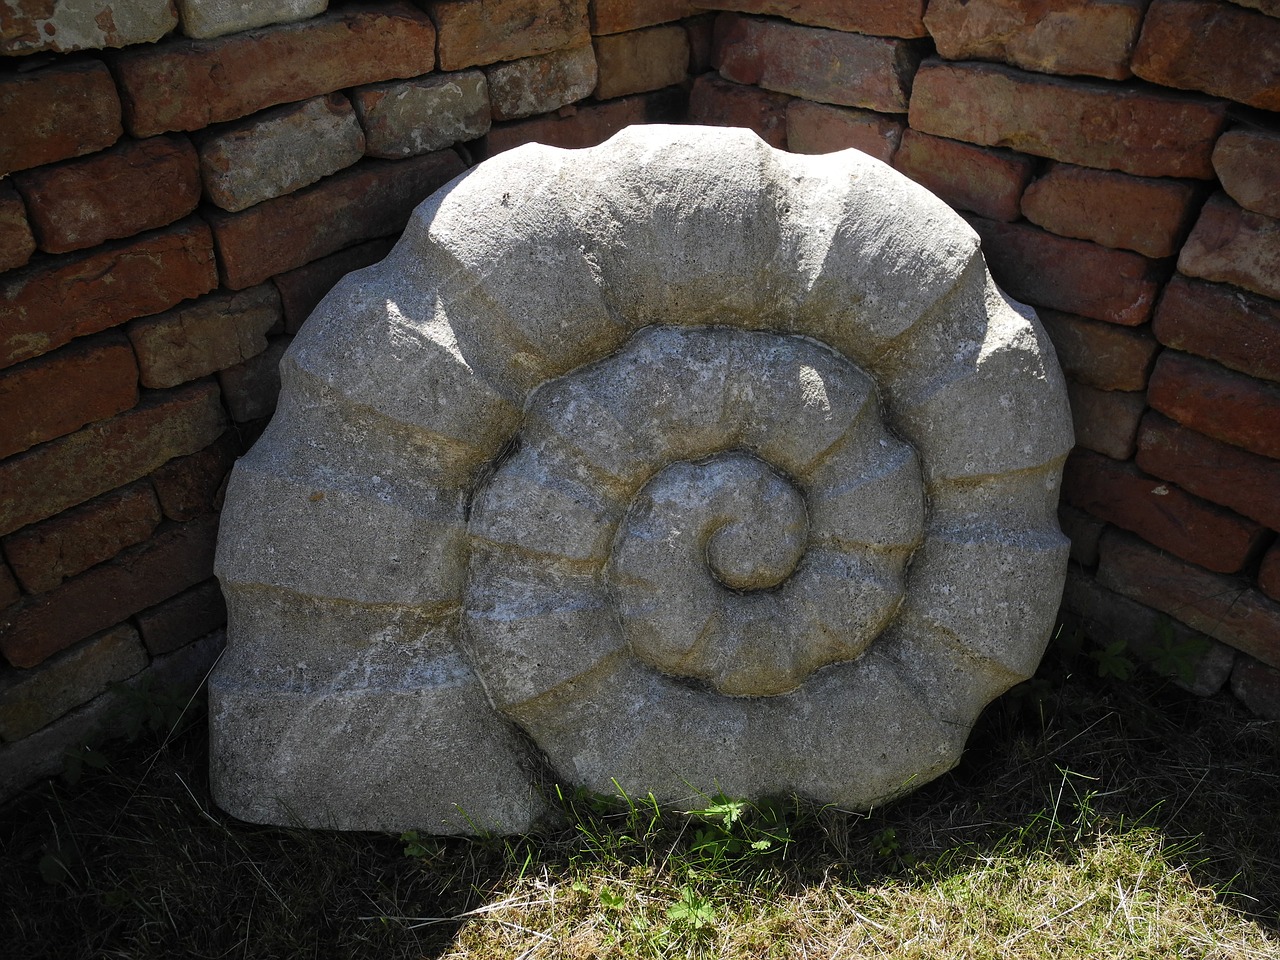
(1101, 355)
(723, 104)
(1105, 420)
(49, 396)
(181, 619)
(1257, 686)
(475, 32)
(132, 187)
(1247, 160)
(1083, 531)
(190, 486)
(16, 240)
(250, 389)
(108, 454)
(617, 16)
(1221, 403)
(987, 181)
(1069, 275)
(641, 60)
(1226, 608)
(45, 554)
(1203, 665)
(1270, 7)
(142, 576)
(1147, 215)
(821, 128)
(206, 19)
(9, 592)
(54, 27)
(522, 88)
(48, 304)
(372, 199)
(189, 84)
(1235, 478)
(1269, 572)
(1223, 323)
(701, 32)
(587, 125)
(279, 151)
(1064, 36)
(1233, 245)
(1160, 513)
(61, 111)
(1211, 46)
(881, 18)
(411, 117)
(32, 699)
(1146, 132)
(848, 69)
(302, 289)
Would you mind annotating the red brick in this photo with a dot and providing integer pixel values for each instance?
(1211, 46)
(585, 126)
(641, 61)
(549, 81)
(192, 485)
(61, 111)
(250, 389)
(1248, 164)
(1105, 421)
(302, 289)
(1143, 131)
(1269, 572)
(881, 18)
(16, 241)
(1257, 686)
(53, 395)
(1083, 531)
(848, 69)
(1070, 275)
(1049, 36)
(987, 181)
(189, 84)
(9, 592)
(1233, 245)
(372, 199)
(44, 554)
(1160, 513)
(1235, 478)
(132, 187)
(1101, 355)
(54, 27)
(1238, 329)
(108, 454)
(141, 577)
(51, 303)
(181, 619)
(723, 104)
(205, 336)
(474, 32)
(617, 16)
(1221, 403)
(820, 128)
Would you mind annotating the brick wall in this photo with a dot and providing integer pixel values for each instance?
(182, 180)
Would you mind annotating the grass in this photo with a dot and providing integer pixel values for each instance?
(1089, 818)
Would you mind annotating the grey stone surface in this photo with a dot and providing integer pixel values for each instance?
(204, 19)
(63, 26)
(404, 118)
(521, 88)
(676, 465)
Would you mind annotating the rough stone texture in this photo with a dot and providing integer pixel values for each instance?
(1211, 46)
(181, 619)
(206, 19)
(190, 486)
(61, 111)
(1247, 161)
(46, 305)
(208, 81)
(16, 240)
(881, 18)
(820, 128)
(587, 126)
(1233, 245)
(1223, 323)
(1140, 130)
(721, 103)
(1218, 402)
(412, 117)
(52, 26)
(828, 66)
(1257, 686)
(640, 61)
(205, 336)
(733, 472)
(476, 32)
(989, 182)
(1048, 36)
(1106, 421)
(303, 288)
(249, 389)
(541, 84)
(280, 151)
(1100, 355)
(617, 16)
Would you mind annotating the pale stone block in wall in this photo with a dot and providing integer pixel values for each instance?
(1248, 164)
(522, 88)
(204, 19)
(411, 117)
(61, 27)
(1232, 245)
(641, 60)
(250, 388)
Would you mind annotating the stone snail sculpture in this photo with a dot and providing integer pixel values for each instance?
(678, 465)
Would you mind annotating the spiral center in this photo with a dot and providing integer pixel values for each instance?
(759, 545)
